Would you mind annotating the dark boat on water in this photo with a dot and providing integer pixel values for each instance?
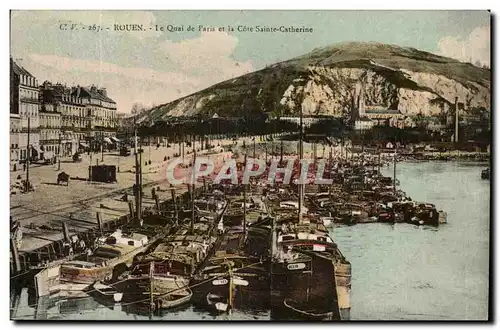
(308, 271)
(162, 275)
(306, 312)
(485, 174)
(236, 275)
(310, 278)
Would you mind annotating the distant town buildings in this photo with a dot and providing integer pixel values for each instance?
(24, 108)
(62, 119)
(15, 132)
(306, 120)
(363, 124)
(378, 115)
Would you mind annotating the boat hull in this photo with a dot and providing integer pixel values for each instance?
(343, 288)
(311, 286)
(73, 274)
(160, 285)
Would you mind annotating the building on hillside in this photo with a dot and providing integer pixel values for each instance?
(24, 102)
(385, 117)
(363, 115)
(358, 103)
(307, 121)
(435, 127)
(409, 122)
(363, 124)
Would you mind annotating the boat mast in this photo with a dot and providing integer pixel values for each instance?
(379, 159)
(301, 155)
(151, 288)
(28, 156)
(245, 201)
(254, 147)
(138, 197)
(231, 287)
(192, 193)
(281, 149)
(362, 163)
(394, 175)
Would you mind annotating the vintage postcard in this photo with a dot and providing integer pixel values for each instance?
(250, 165)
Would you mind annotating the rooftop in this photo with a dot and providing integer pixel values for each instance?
(94, 93)
(19, 70)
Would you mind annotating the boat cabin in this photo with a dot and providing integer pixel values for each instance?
(131, 239)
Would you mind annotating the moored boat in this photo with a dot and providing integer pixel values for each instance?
(115, 249)
(104, 292)
(306, 312)
(165, 272)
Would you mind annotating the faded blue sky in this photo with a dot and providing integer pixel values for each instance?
(157, 67)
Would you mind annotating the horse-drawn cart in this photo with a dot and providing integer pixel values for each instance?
(63, 177)
(77, 158)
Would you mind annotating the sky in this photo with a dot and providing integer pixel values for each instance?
(154, 67)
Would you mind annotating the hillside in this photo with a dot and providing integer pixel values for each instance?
(328, 80)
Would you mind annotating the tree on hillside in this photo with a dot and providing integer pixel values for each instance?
(421, 121)
(137, 108)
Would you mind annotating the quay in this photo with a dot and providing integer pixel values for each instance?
(222, 246)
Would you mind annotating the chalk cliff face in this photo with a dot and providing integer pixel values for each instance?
(333, 80)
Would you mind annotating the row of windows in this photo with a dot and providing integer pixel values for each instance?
(103, 113)
(72, 110)
(15, 126)
(52, 148)
(72, 99)
(50, 121)
(29, 109)
(24, 93)
(79, 111)
(49, 135)
(103, 104)
(28, 81)
(73, 136)
(24, 152)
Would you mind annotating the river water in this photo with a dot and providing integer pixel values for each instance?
(407, 272)
(400, 272)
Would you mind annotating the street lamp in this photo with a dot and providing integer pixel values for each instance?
(59, 154)
(102, 146)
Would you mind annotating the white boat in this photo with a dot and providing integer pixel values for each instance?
(174, 299)
(109, 293)
(117, 248)
(327, 221)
